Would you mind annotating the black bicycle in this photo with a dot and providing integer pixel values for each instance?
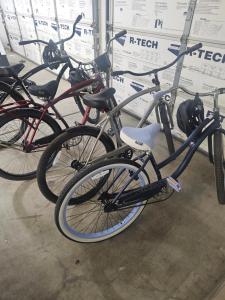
(11, 85)
(82, 145)
(105, 198)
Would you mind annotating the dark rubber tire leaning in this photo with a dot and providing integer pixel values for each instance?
(23, 114)
(56, 145)
(219, 166)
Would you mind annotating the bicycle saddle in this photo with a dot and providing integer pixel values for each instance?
(99, 100)
(140, 138)
(44, 91)
(11, 70)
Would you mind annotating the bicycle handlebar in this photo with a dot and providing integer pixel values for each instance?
(21, 43)
(189, 50)
(79, 17)
(119, 34)
(160, 94)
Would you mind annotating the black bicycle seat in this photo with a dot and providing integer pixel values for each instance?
(44, 91)
(11, 70)
(99, 100)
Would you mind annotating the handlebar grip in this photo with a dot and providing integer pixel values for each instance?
(21, 43)
(222, 90)
(79, 17)
(121, 33)
(117, 73)
(194, 48)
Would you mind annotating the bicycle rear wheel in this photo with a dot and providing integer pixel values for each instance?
(94, 114)
(219, 165)
(85, 219)
(17, 161)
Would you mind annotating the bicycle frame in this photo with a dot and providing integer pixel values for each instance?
(207, 128)
(71, 92)
(116, 125)
(20, 80)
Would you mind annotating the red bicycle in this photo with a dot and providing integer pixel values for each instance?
(26, 131)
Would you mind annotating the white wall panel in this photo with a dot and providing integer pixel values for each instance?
(47, 29)
(141, 53)
(32, 52)
(7, 6)
(27, 27)
(44, 8)
(81, 46)
(23, 7)
(69, 9)
(161, 16)
(12, 23)
(204, 70)
(209, 21)
(3, 35)
(14, 42)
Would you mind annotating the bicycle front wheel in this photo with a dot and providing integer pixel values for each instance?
(219, 165)
(80, 213)
(18, 161)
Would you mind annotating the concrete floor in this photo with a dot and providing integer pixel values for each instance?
(175, 250)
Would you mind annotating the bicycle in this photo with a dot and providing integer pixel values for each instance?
(103, 199)
(71, 158)
(11, 84)
(25, 132)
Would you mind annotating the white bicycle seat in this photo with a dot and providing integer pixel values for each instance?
(140, 138)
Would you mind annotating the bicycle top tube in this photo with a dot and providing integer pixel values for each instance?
(160, 94)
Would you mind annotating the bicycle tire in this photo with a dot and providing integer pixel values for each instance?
(24, 114)
(219, 166)
(55, 146)
(166, 128)
(73, 184)
(90, 119)
(6, 88)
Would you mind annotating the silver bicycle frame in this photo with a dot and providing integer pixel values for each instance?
(111, 118)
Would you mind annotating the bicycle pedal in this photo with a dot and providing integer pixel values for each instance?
(174, 184)
(77, 123)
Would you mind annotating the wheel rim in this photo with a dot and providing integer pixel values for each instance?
(15, 159)
(75, 149)
(109, 224)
